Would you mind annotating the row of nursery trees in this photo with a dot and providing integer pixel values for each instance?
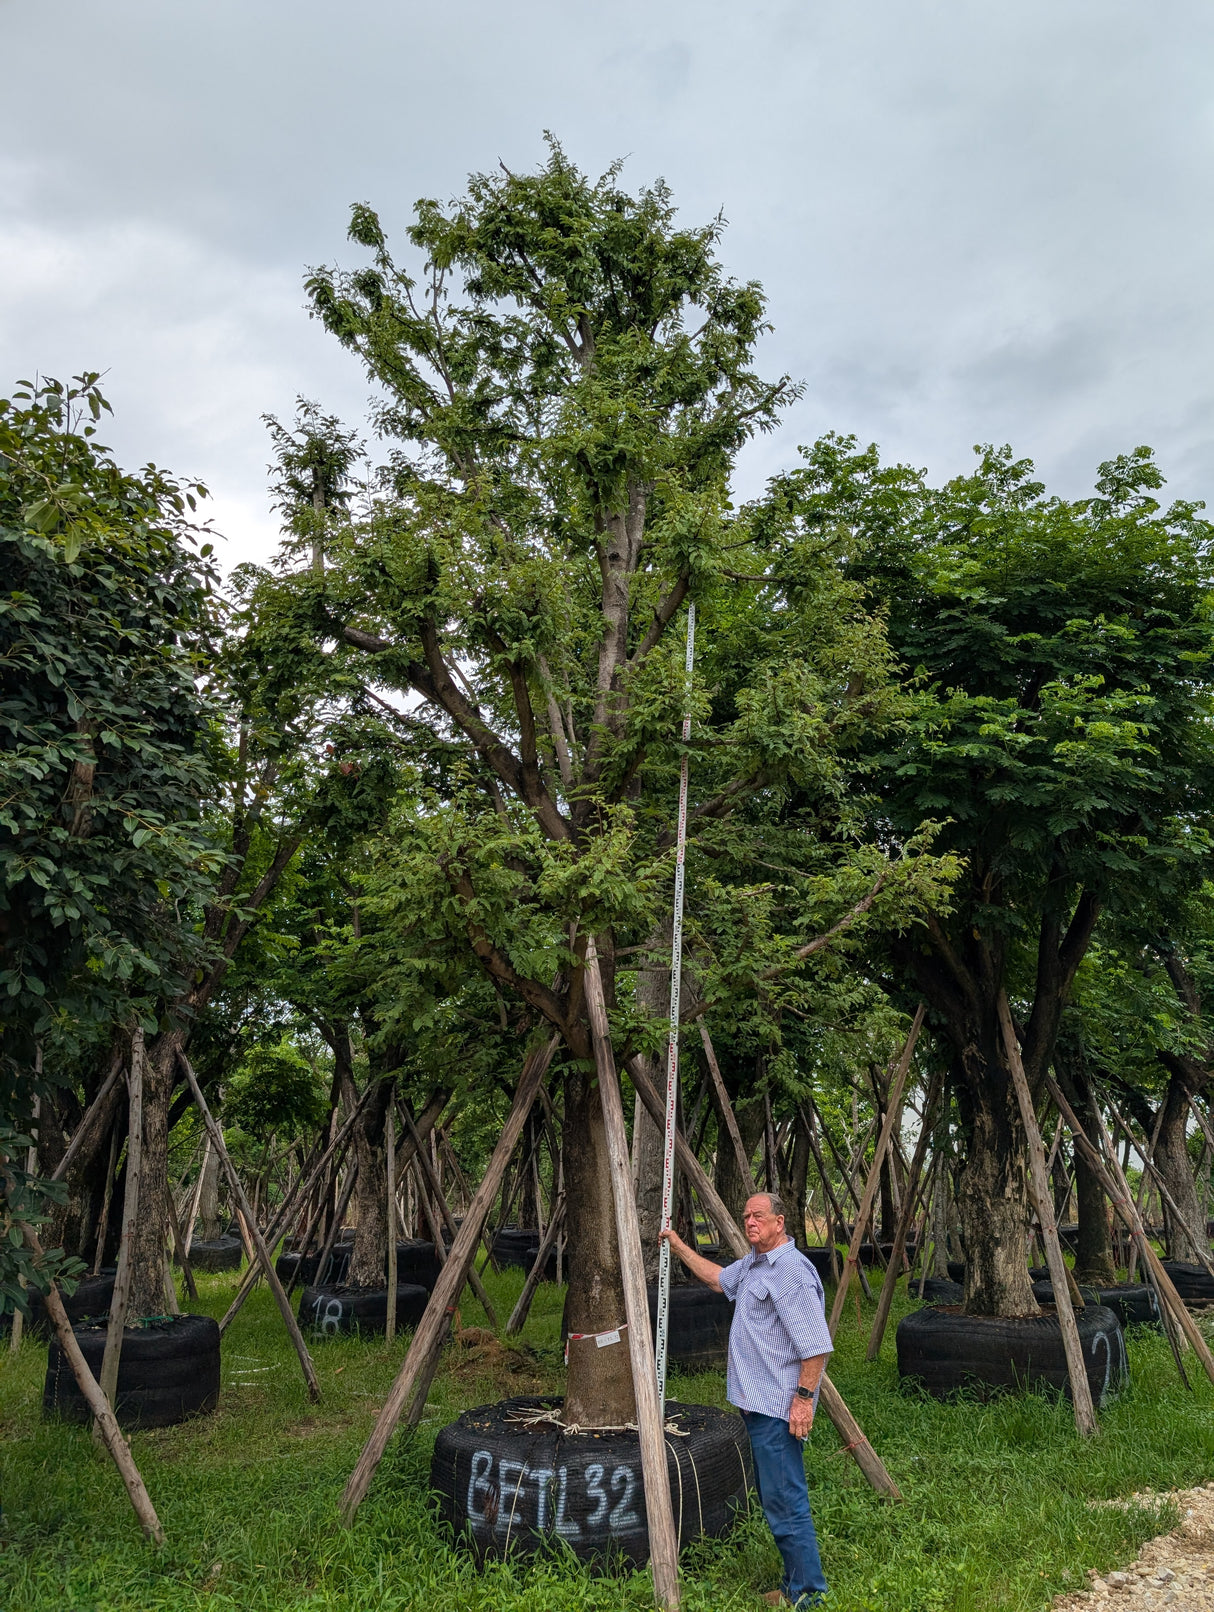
(352, 820)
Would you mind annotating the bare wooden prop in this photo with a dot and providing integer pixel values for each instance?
(130, 1212)
(829, 1397)
(104, 1421)
(421, 1361)
(663, 1539)
(94, 1113)
(1199, 1238)
(905, 1216)
(242, 1205)
(518, 1316)
(430, 1177)
(725, 1109)
(835, 1215)
(390, 1163)
(183, 1254)
(103, 1224)
(893, 1115)
(1039, 1184)
(1118, 1192)
(845, 1175)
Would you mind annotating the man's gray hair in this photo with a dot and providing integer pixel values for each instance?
(776, 1202)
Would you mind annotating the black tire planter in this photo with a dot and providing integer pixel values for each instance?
(819, 1258)
(1043, 1292)
(91, 1300)
(506, 1487)
(168, 1372)
(222, 1254)
(697, 1329)
(520, 1246)
(1194, 1283)
(417, 1263)
(332, 1311)
(936, 1290)
(287, 1266)
(947, 1352)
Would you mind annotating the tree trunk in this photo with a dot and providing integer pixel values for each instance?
(994, 1197)
(727, 1177)
(1175, 1166)
(207, 1228)
(798, 1180)
(151, 1225)
(598, 1391)
(1094, 1262)
(369, 1257)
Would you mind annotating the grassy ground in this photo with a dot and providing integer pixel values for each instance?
(997, 1511)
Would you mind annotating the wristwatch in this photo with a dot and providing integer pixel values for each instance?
(804, 1393)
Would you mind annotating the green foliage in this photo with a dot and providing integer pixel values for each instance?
(24, 1201)
(274, 1089)
(105, 614)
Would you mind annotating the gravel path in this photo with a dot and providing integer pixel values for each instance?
(1175, 1570)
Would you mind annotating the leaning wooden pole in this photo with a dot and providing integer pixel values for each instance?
(829, 1397)
(1117, 1189)
(104, 1420)
(518, 1316)
(421, 1361)
(390, 1150)
(259, 1243)
(428, 1178)
(909, 1204)
(130, 1212)
(893, 1114)
(725, 1109)
(663, 1538)
(1039, 1180)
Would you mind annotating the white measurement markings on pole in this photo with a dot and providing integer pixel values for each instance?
(672, 1053)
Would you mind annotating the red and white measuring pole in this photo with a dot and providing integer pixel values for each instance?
(672, 1054)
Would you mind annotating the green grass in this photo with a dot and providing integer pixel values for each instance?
(996, 1513)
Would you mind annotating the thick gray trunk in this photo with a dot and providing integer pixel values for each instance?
(1175, 1166)
(207, 1228)
(598, 1390)
(151, 1223)
(994, 1201)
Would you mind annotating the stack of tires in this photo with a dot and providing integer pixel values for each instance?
(332, 1311)
(168, 1371)
(520, 1247)
(697, 1326)
(90, 1301)
(945, 1352)
(1193, 1283)
(508, 1484)
(220, 1254)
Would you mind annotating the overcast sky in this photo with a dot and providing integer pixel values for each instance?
(974, 221)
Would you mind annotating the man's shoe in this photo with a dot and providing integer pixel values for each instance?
(776, 1598)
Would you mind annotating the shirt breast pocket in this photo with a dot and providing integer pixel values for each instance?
(760, 1294)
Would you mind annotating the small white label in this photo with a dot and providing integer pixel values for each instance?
(604, 1338)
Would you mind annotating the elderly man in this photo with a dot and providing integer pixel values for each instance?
(778, 1345)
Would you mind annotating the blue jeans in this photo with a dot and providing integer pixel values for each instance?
(784, 1496)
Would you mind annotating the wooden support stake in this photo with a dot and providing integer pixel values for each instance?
(893, 1114)
(1198, 1238)
(905, 1216)
(725, 1108)
(95, 1108)
(421, 1361)
(390, 1149)
(518, 1316)
(130, 1213)
(1039, 1181)
(1117, 1189)
(263, 1253)
(183, 1255)
(429, 1176)
(830, 1399)
(663, 1540)
(196, 1198)
(104, 1421)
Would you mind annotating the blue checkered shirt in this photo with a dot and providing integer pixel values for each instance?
(779, 1320)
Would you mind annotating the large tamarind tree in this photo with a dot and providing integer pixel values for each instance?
(568, 378)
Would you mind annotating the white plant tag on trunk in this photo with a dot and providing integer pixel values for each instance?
(604, 1338)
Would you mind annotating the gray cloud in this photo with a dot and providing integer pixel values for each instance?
(973, 222)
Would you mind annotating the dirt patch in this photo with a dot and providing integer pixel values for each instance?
(1174, 1570)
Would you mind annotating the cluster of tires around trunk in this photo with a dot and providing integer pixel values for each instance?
(509, 1478)
(947, 1352)
(168, 1371)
